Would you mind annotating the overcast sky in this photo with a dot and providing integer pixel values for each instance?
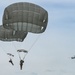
(51, 54)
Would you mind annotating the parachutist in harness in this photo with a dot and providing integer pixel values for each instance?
(11, 61)
(10, 56)
(21, 64)
(22, 59)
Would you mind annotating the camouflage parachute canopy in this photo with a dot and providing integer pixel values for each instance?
(10, 35)
(26, 17)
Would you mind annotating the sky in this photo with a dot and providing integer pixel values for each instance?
(51, 54)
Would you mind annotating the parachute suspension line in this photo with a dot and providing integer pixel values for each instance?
(19, 55)
(14, 45)
(32, 45)
(4, 50)
(24, 56)
(16, 49)
(34, 42)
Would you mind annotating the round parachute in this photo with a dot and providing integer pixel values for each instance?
(22, 50)
(26, 17)
(73, 57)
(10, 54)
(22, 53)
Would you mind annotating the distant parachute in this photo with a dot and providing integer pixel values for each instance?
(26, 17)
(73, 57)
(10, 54)
(22, 50)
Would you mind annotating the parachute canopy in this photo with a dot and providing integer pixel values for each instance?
(73, 57)
(26, 17)
(10, 54)
(10, 35)
(22, 50)
(22, 53)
